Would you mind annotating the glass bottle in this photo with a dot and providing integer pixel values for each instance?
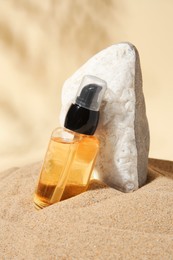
(72, 150)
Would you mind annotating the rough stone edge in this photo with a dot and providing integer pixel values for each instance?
(141, 127)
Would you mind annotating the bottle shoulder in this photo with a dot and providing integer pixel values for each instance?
(90, 140)
(62, 134)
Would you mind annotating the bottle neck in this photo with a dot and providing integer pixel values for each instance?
(81, 120)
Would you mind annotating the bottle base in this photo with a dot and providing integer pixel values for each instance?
(39, 204)
(69, 192)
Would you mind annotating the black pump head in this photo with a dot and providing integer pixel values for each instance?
(83, 114)
(89, 96)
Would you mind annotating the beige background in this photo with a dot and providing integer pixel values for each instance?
(44, 42)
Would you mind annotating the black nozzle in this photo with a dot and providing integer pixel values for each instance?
(89, 96)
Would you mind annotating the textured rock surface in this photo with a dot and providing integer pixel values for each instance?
(123, 128)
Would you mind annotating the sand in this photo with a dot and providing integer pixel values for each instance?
(102, 223)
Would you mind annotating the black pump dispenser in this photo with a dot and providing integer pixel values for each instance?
(88, 95)
(83, 116)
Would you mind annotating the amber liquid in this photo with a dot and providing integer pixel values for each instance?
(66, 170)
(82, 167)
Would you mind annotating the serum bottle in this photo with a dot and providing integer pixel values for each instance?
(72, 150)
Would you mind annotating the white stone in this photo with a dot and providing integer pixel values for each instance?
(123, 128)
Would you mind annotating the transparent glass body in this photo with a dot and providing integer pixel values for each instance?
(67, 167)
